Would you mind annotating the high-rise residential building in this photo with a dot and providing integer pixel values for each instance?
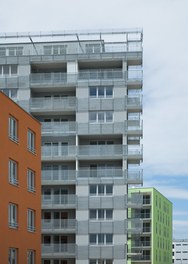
(20, 185)
(180, 251)
(86, 90)
(154, 244)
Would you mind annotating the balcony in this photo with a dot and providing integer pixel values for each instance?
(58, 225)
(58, 128)
(139, 258)
(54, 177)
(134, 127)
(59, 201)
(134, 176)
(52, 152)
(100, 128)
(58, 250)
(100, 151)
(134, 200)
(134, 76)
(140, 244)
(134, 226)
(52, 104)
(134, 103)
(67, 152)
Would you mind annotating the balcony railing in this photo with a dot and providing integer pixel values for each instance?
(58, 249)
(58, 200)
(91, 151)
(140, 244)
(57, 224)
(51, 128)
(134, 200)
(58, 175)
(52, 104)
(100, 150)
(134, 226)
(61, 78)
(58, 152)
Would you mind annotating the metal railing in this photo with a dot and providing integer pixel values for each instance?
(44, 104)
(134, 226)
(63, 249)
(58, 175)
(134, 200)
(51, 128)
(55, 199)
(57, 224)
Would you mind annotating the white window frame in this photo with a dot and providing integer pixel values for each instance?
(97, 88)
(31, 141)
(30, 180)
(13, 215)
(12, 93)
(101, 261)
(10, 68)
(102, 237)
(31, 256)
(98, 189)
(13, 256)
(13, 172)
(31, 220)
(13, 129)
(100, 117)
(98, 214)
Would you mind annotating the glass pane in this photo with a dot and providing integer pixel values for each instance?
(109, 116)
(93, 189)
(109, 91)
(93, 116)
(92, 239)
(108, 238)
(5, 69)
(101, 117)
(101, 91)
(109, 214)
(100, 189)
(92, 214)
(108, 189)
(100, 214)
(101, 238)
(93, 91)
(13, 69)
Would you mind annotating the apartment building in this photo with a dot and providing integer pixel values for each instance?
(153, 244)
(20, 185)
(86, 90)
(180, 251)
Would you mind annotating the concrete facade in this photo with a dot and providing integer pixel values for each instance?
(86, 90)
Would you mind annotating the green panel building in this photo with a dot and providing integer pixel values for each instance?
(154, 244)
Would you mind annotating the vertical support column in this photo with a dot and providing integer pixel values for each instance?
(72, 71)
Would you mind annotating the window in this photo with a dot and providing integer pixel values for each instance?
(101, 189)
(30, 257)
(13, 172)
(13, 256)
(31, 141)
(93, 48)
(13, 129)
(101, 214)
(101, 91)
(55, 50)
(100, 239)
(100, 261)
(12, 93)
(101, 116)
(13, 215)
(30, 180)
(8, 69)
(30, 220)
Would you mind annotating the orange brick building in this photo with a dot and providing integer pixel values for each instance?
(20, 185)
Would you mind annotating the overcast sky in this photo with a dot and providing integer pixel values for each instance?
(165, 27)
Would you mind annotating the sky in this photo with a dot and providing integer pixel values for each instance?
(165, 68)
